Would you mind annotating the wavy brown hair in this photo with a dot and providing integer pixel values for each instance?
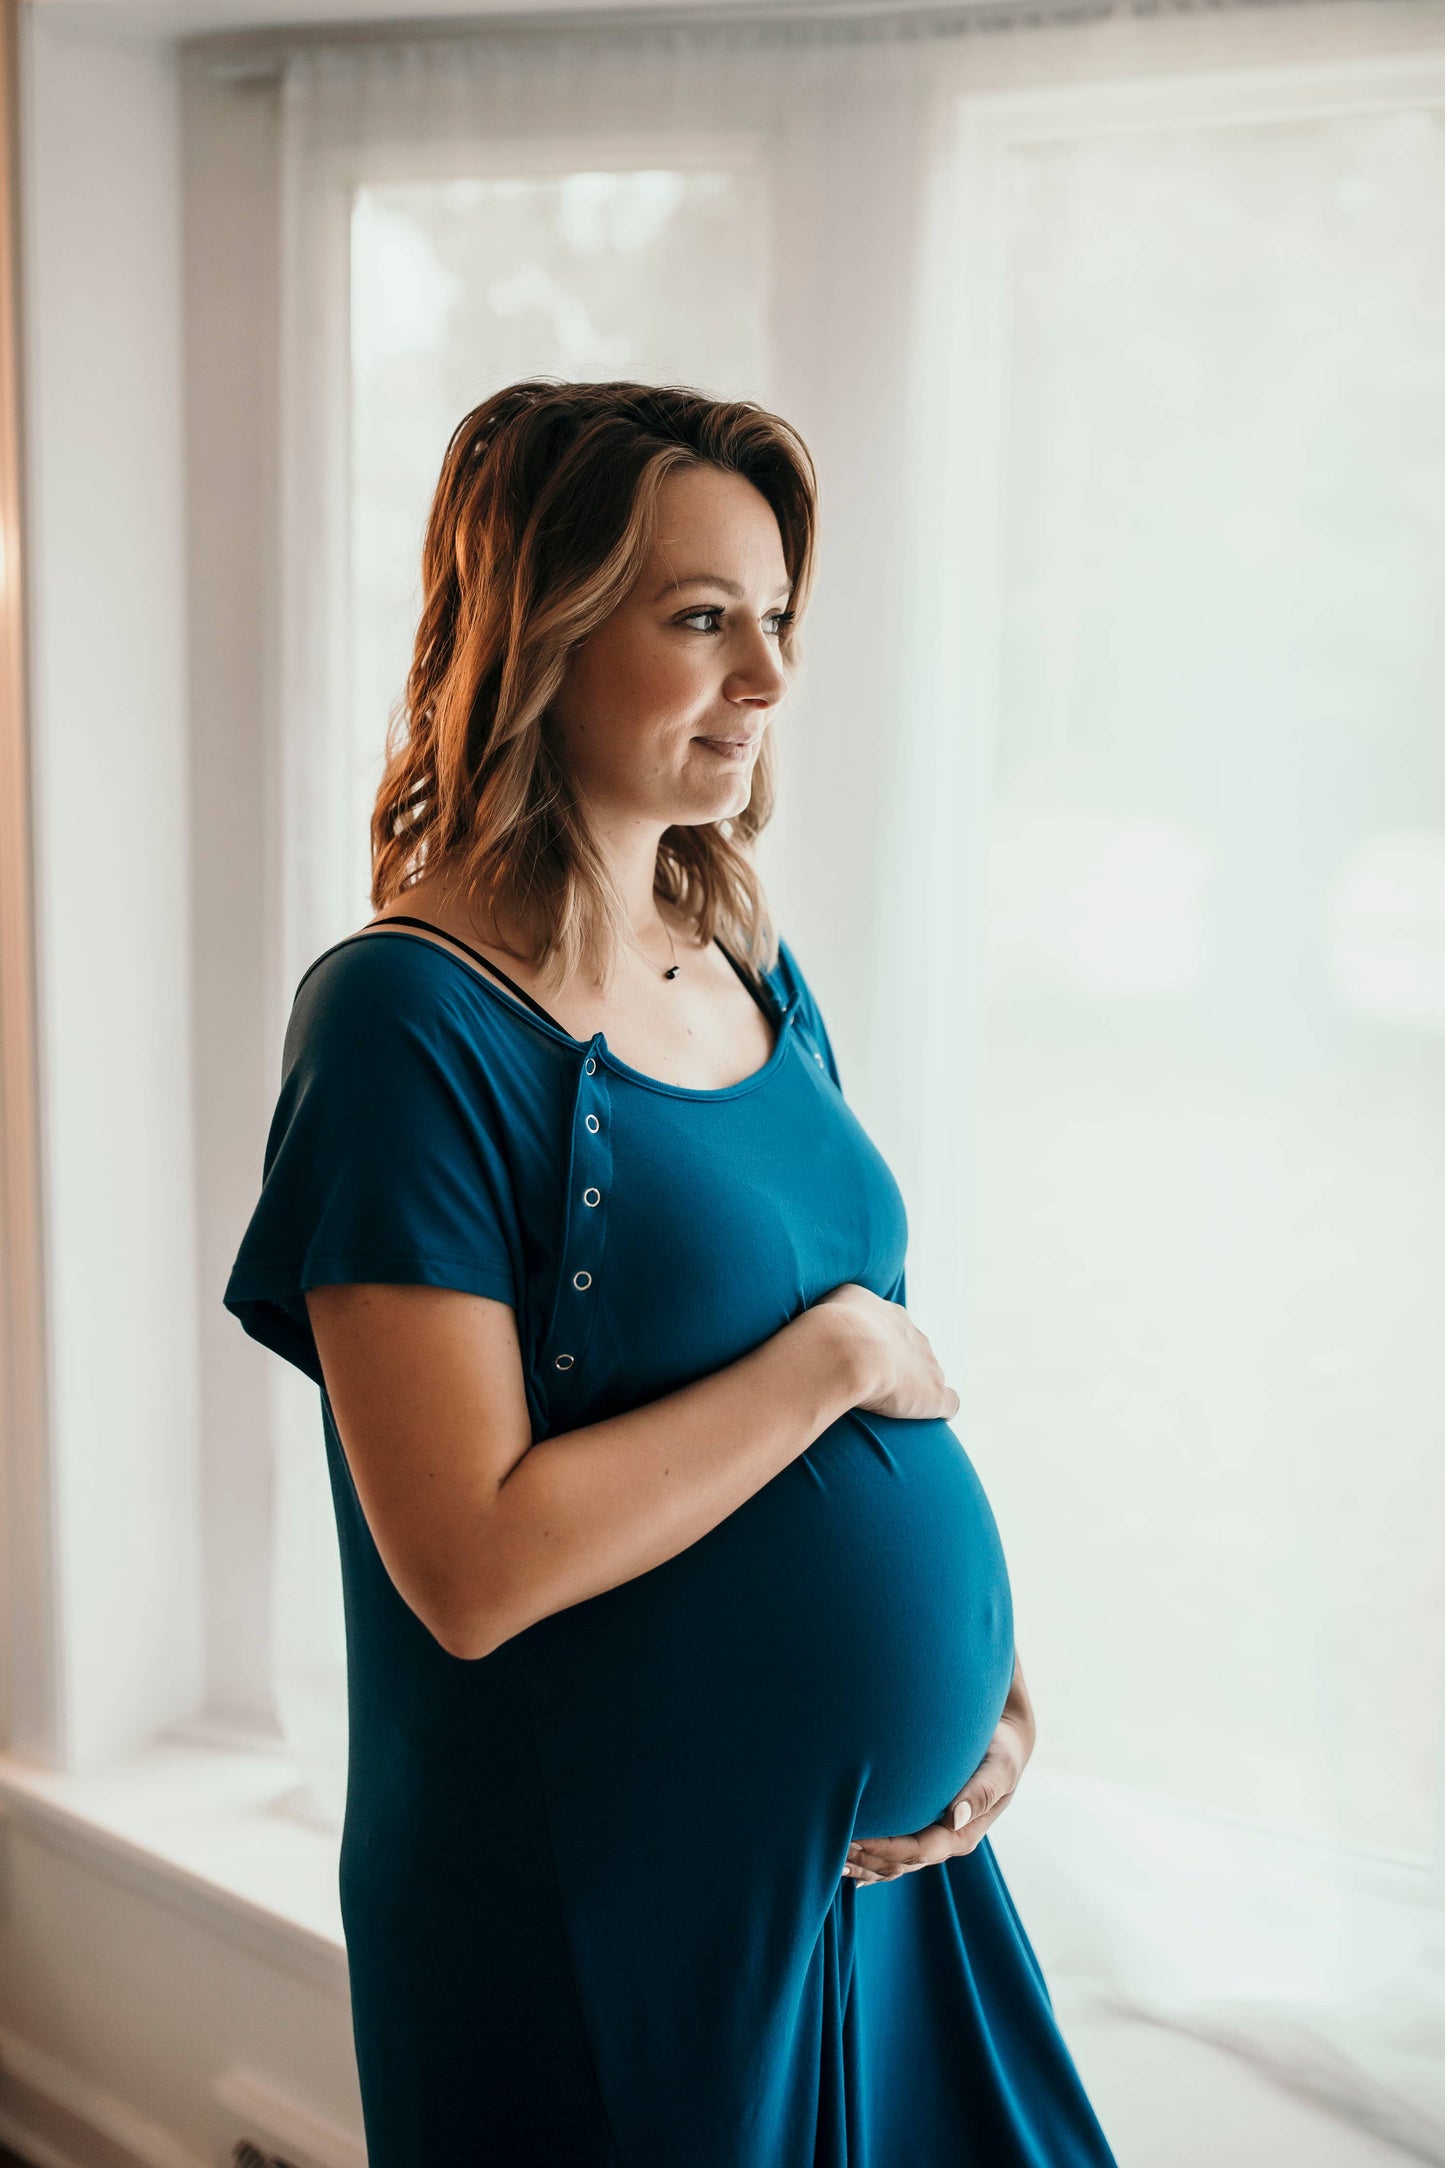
(542, 520)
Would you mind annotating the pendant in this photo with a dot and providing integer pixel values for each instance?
(671, 974)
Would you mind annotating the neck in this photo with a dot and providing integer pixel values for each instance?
(656, 928)
(630, 851)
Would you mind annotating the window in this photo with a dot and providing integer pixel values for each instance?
(1113, 830)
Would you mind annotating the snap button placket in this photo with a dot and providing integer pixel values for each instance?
(589, 1186)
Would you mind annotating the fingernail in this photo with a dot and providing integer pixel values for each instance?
(961, 1813)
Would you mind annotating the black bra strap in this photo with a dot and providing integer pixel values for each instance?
(397, 918)
(751, 984)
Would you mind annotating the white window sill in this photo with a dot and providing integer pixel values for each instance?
(205, 1829)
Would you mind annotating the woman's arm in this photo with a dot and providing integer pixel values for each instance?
(484, 1532)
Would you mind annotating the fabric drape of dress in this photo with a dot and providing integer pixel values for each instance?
(592, 1883)
(1110, 827)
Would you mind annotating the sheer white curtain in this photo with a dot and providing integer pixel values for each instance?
(1113, 836)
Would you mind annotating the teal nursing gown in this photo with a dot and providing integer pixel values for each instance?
(591, 1884)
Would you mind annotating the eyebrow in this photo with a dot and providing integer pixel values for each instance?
(705, 579)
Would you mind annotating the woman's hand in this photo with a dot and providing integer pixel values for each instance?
(970, 1815)
(904, 1376)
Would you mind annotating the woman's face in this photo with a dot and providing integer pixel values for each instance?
(663, 708)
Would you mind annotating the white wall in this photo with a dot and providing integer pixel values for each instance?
(130, 1990)
(101, 300)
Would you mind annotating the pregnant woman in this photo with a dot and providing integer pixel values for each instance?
(677, 1623)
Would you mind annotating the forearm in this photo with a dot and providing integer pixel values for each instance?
(588, 1509)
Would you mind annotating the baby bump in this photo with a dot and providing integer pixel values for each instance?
(838, 1649)
(889, 1583)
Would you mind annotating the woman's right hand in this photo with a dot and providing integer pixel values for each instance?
(905, 1376)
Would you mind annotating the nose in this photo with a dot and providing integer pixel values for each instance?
(761, 678)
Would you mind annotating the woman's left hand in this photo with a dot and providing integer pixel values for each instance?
(970, 1815)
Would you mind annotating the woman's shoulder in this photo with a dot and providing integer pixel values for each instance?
(390, 1035)
(404, 1028)
(787, 974)
(372, 958)
(792, 983)
(402, 1138)
(371, 985)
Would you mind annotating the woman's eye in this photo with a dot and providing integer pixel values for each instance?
(780, 617)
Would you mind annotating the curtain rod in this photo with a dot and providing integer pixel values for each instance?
(246, 55)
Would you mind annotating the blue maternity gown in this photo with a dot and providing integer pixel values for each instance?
(591, 1883)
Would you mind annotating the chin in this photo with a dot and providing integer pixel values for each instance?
(719, 804)
(727, 808)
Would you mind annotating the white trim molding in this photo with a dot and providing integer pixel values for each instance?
(36, 2088)
(209, 1834)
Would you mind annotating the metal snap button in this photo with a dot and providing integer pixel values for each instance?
(592, 1122)
(565, 1362)
(581, 1279)
(589, 1065)
(592, 1196)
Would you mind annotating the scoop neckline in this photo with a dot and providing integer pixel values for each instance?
(597, 1046)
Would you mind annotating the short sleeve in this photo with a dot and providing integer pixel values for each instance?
(809, 1013)
(385, 1158)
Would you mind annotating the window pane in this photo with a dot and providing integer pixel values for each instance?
(1211, 1260)
(461, 286)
